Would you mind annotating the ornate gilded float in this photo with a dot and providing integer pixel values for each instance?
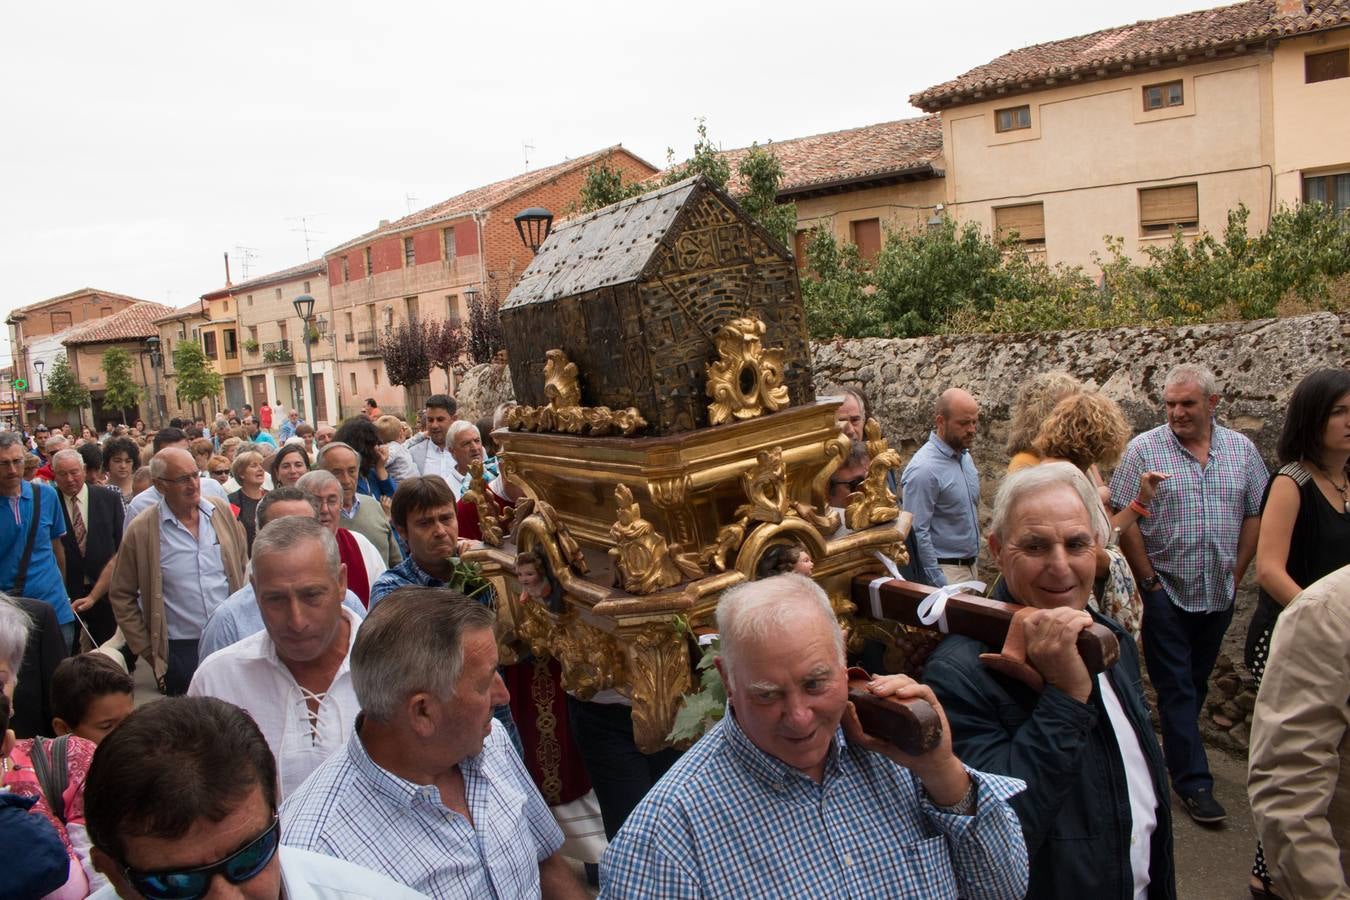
(668, 435)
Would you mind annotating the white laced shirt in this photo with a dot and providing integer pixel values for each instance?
(251, 676)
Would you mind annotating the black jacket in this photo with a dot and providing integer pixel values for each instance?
(103, 528)
(1075, 812)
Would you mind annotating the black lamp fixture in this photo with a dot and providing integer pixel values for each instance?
(534, 225)
(304, 307)
(40, 365)
(152, 345)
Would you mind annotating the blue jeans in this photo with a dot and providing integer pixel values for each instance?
(71, 637)
(1180, 648)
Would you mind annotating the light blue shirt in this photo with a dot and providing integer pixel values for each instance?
(353, 809)
(239, 616)
(729, 820)
(941, 489)
(192, 571)
(151, 495)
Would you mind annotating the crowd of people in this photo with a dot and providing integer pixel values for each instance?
(338, 718)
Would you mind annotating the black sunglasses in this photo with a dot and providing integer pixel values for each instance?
(192, 884)
(854, 484)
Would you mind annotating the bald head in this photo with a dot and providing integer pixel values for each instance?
(958, 419)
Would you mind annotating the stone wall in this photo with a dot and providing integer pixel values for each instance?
(1257, 365)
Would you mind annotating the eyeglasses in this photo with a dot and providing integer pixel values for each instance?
(180, 481)
(192, 884)
(854, 484)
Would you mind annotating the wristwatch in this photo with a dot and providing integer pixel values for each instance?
(1151, 583)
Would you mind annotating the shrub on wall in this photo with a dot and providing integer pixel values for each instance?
(947, 278)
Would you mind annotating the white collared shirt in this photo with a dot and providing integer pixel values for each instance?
(250, 675)
(192, 572)
(440, 461)
(1139, 785)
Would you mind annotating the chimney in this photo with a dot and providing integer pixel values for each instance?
(227, 269)
(1290, 9)
(384, 223)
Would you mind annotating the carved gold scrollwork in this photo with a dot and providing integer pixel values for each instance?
(875, 503)
(643, 561)
(591, 660)
(561, 385)
(539, 518)
(659, 675)
(747, 380)
(765, 485)
(564, 413)
(489, 522)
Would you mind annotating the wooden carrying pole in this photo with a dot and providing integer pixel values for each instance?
(975, 617)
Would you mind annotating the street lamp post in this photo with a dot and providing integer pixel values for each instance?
(39, 366)
(304, 308)
(156, 357)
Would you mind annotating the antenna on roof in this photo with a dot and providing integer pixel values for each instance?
(526, 146)
(408, 201)
(305, 229)
(246, 256)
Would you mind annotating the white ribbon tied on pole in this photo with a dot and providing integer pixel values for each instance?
(874, 588)
(933, 608)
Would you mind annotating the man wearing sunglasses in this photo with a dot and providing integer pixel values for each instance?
(180, 803)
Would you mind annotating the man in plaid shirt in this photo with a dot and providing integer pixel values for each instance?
(1189, 552)
(788, 797)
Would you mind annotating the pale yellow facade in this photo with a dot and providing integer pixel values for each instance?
(1092, 147)
(1311, 121)
(899, 206)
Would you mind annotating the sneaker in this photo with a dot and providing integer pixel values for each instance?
(1202, 806)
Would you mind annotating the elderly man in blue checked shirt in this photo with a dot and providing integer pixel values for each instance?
(1189, 552)
(779, 800)
(428, 789)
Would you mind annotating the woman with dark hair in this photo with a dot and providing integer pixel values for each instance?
(361, 435)
(121, 458)
(1305, 518)
(288, 465)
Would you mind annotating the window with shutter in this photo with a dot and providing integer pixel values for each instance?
(799, 244)
(1164, 209)
(1026, 222)
(1327, 65)
(1161, 96)
(1013, 118)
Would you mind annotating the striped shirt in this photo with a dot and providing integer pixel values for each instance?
(729, 820)
(353, 809)
(1191, 534)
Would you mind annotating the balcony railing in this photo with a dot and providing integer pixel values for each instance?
(231, 354)
(367, 344)
(277, 352)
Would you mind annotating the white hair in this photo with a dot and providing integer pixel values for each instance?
(458, 427)
(760, 610)
(1026, 483)
(67, 455)
(14, 628)
(316, 480)
(1192, 373)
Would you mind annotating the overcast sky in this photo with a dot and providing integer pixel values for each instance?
(144, 139)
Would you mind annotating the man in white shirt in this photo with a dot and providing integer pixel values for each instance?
(293, 677)
(466, 445)
(431, 453)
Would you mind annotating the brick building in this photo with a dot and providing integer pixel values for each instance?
(36, 332)
(429, 265)
(128, 330)
(182, 324)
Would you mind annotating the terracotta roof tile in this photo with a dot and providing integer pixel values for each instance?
(484, 197)
(852, 154)
(1174, 39)
(309, 267)
(195, 308)
(133, 323)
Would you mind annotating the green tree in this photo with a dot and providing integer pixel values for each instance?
(197, 378)
(604, 185)
(64, 391)
(120, 391)
(706, 161)
(761, 176)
